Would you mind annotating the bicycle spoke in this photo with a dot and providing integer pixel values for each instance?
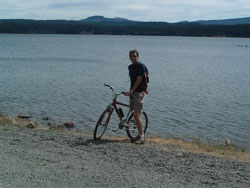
(132, 130)
(101, 125)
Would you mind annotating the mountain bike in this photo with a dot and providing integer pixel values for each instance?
(126, 123)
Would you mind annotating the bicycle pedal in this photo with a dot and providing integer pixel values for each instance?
(127, 127)
(121, 125)
(115, 130)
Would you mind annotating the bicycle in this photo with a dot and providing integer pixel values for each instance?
(128, 122)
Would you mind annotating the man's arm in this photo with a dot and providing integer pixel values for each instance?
(137, 83)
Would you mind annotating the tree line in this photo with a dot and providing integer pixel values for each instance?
(123, 28)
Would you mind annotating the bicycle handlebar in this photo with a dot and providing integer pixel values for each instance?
(110, 87)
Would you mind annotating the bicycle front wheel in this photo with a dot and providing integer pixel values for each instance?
(132, 130)
(102, 124)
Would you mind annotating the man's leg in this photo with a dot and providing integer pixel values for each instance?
(138, 109)
(138, 119)
(137, 116)
(136, 105)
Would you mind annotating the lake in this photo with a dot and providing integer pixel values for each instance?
(199, 87)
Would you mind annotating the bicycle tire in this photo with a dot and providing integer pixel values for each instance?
(132, 130)
(101, 125)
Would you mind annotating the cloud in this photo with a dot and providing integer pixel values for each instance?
(78, 4)
(141, 10)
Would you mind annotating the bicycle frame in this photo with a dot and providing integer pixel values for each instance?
(128, 122)
(114, 106)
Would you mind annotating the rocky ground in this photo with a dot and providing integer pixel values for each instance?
(46, 158)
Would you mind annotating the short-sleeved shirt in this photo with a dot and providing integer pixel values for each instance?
(137, 69)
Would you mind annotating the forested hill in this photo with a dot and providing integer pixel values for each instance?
(122, 26)
(236, 21)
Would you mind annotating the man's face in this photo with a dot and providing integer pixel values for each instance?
(133, 57)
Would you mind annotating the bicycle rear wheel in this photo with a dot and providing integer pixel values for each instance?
(102, 124)
(132, 130)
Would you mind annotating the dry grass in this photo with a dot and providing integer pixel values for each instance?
(4, 121)
(229, 152)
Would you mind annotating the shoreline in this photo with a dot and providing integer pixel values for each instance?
(197, 147)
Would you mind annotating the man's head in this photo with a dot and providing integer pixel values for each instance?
(134, 56)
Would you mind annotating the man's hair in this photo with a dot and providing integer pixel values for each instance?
(134, 51)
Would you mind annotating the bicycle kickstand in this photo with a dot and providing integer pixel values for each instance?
(121, 126)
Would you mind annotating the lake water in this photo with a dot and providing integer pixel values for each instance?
(199, 87)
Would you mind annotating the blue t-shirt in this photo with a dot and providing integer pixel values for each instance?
(137, 69)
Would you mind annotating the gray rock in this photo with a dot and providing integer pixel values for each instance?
(69, 124)
(32, 125)
(54, 125)
(24, 116)
(46, 118)
(228, 142)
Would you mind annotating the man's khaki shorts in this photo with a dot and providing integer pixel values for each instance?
(136, 101)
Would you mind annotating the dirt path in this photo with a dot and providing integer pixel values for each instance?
(38, 158)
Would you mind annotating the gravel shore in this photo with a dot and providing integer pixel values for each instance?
(43, 158)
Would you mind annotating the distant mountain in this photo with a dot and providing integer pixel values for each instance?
(120, 26)
(16, 20)
(104, 19)
(235, 21)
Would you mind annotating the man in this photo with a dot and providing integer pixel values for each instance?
(137, 72)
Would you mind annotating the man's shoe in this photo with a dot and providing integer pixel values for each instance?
(133, 140)
(140, 141)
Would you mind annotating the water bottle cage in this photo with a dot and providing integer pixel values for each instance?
(121, 113)
(121, 125)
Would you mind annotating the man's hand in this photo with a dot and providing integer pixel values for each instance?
(126, 93)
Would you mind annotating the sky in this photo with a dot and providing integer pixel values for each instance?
(138, 10)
